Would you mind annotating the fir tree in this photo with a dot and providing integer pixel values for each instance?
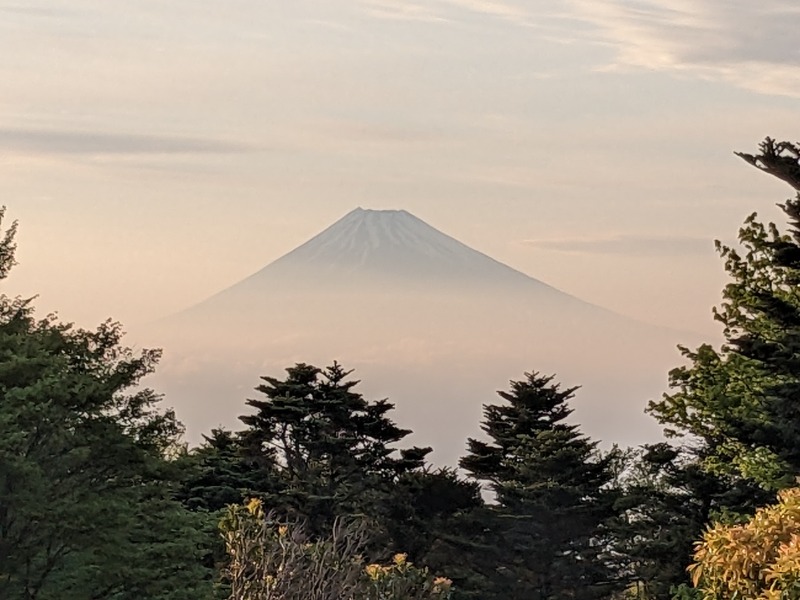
(435, 517)
(733, 412)
(552, 502)
(327, 449)
(217, 473)
(742, 400)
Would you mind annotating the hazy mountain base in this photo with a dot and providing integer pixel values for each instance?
(437, 351)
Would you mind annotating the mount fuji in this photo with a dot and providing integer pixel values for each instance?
(424, 320)
(392, 243)
(384, 254)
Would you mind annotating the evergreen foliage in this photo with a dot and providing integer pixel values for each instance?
(325, 450)
(426, 508)
(548, 527)
(437, 517)
(85, 491)
(216, 474)
(315, 451)
(733, 412)
(741, 400)
(667, 498)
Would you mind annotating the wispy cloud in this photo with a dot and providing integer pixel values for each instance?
(447, 10)
(346, 131)
(403, 10)
(36, 11)
(631, 245)
(750, 44)
(50, 141)
(495, 8)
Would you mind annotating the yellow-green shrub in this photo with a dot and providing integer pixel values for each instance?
(757, 560)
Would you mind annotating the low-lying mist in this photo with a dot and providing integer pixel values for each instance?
(438, 352)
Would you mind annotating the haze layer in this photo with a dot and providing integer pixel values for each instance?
(424, 320)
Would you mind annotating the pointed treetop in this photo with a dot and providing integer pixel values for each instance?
(7, 246)
(781, 159)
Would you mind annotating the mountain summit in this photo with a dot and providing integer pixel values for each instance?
(385, 246)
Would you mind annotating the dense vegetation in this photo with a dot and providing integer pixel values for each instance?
(316, 495)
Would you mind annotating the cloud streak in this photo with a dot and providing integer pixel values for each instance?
(630, 245)
(402, 10)
(504, 10)
(445, 11)
(35, 11)
(64, 142)
(750, 44)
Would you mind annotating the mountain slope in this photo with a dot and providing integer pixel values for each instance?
(385, 251)
(425, 320)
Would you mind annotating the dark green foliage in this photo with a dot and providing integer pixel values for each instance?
(547, 533)
(84, 488)
(85, 491)
(734, 411)
(434, 516)
(324, 449)
(667, 499)
(425, 507)
(743, 400)
(317, 450)
(217, 474)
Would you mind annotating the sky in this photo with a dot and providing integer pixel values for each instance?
(156, 152)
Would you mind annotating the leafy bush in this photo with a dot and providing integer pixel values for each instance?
(271, 559)
(757, 560)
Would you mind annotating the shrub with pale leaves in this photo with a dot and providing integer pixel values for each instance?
(272, 559)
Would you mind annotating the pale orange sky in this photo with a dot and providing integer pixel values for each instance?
(155, 152)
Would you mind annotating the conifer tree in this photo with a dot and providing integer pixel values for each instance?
(86, 507)
(327, 449)
(435, 516)
(218, 474)
(425, 509)
(733, 412)
(552, 503)
(742, 400)
(667, 498)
